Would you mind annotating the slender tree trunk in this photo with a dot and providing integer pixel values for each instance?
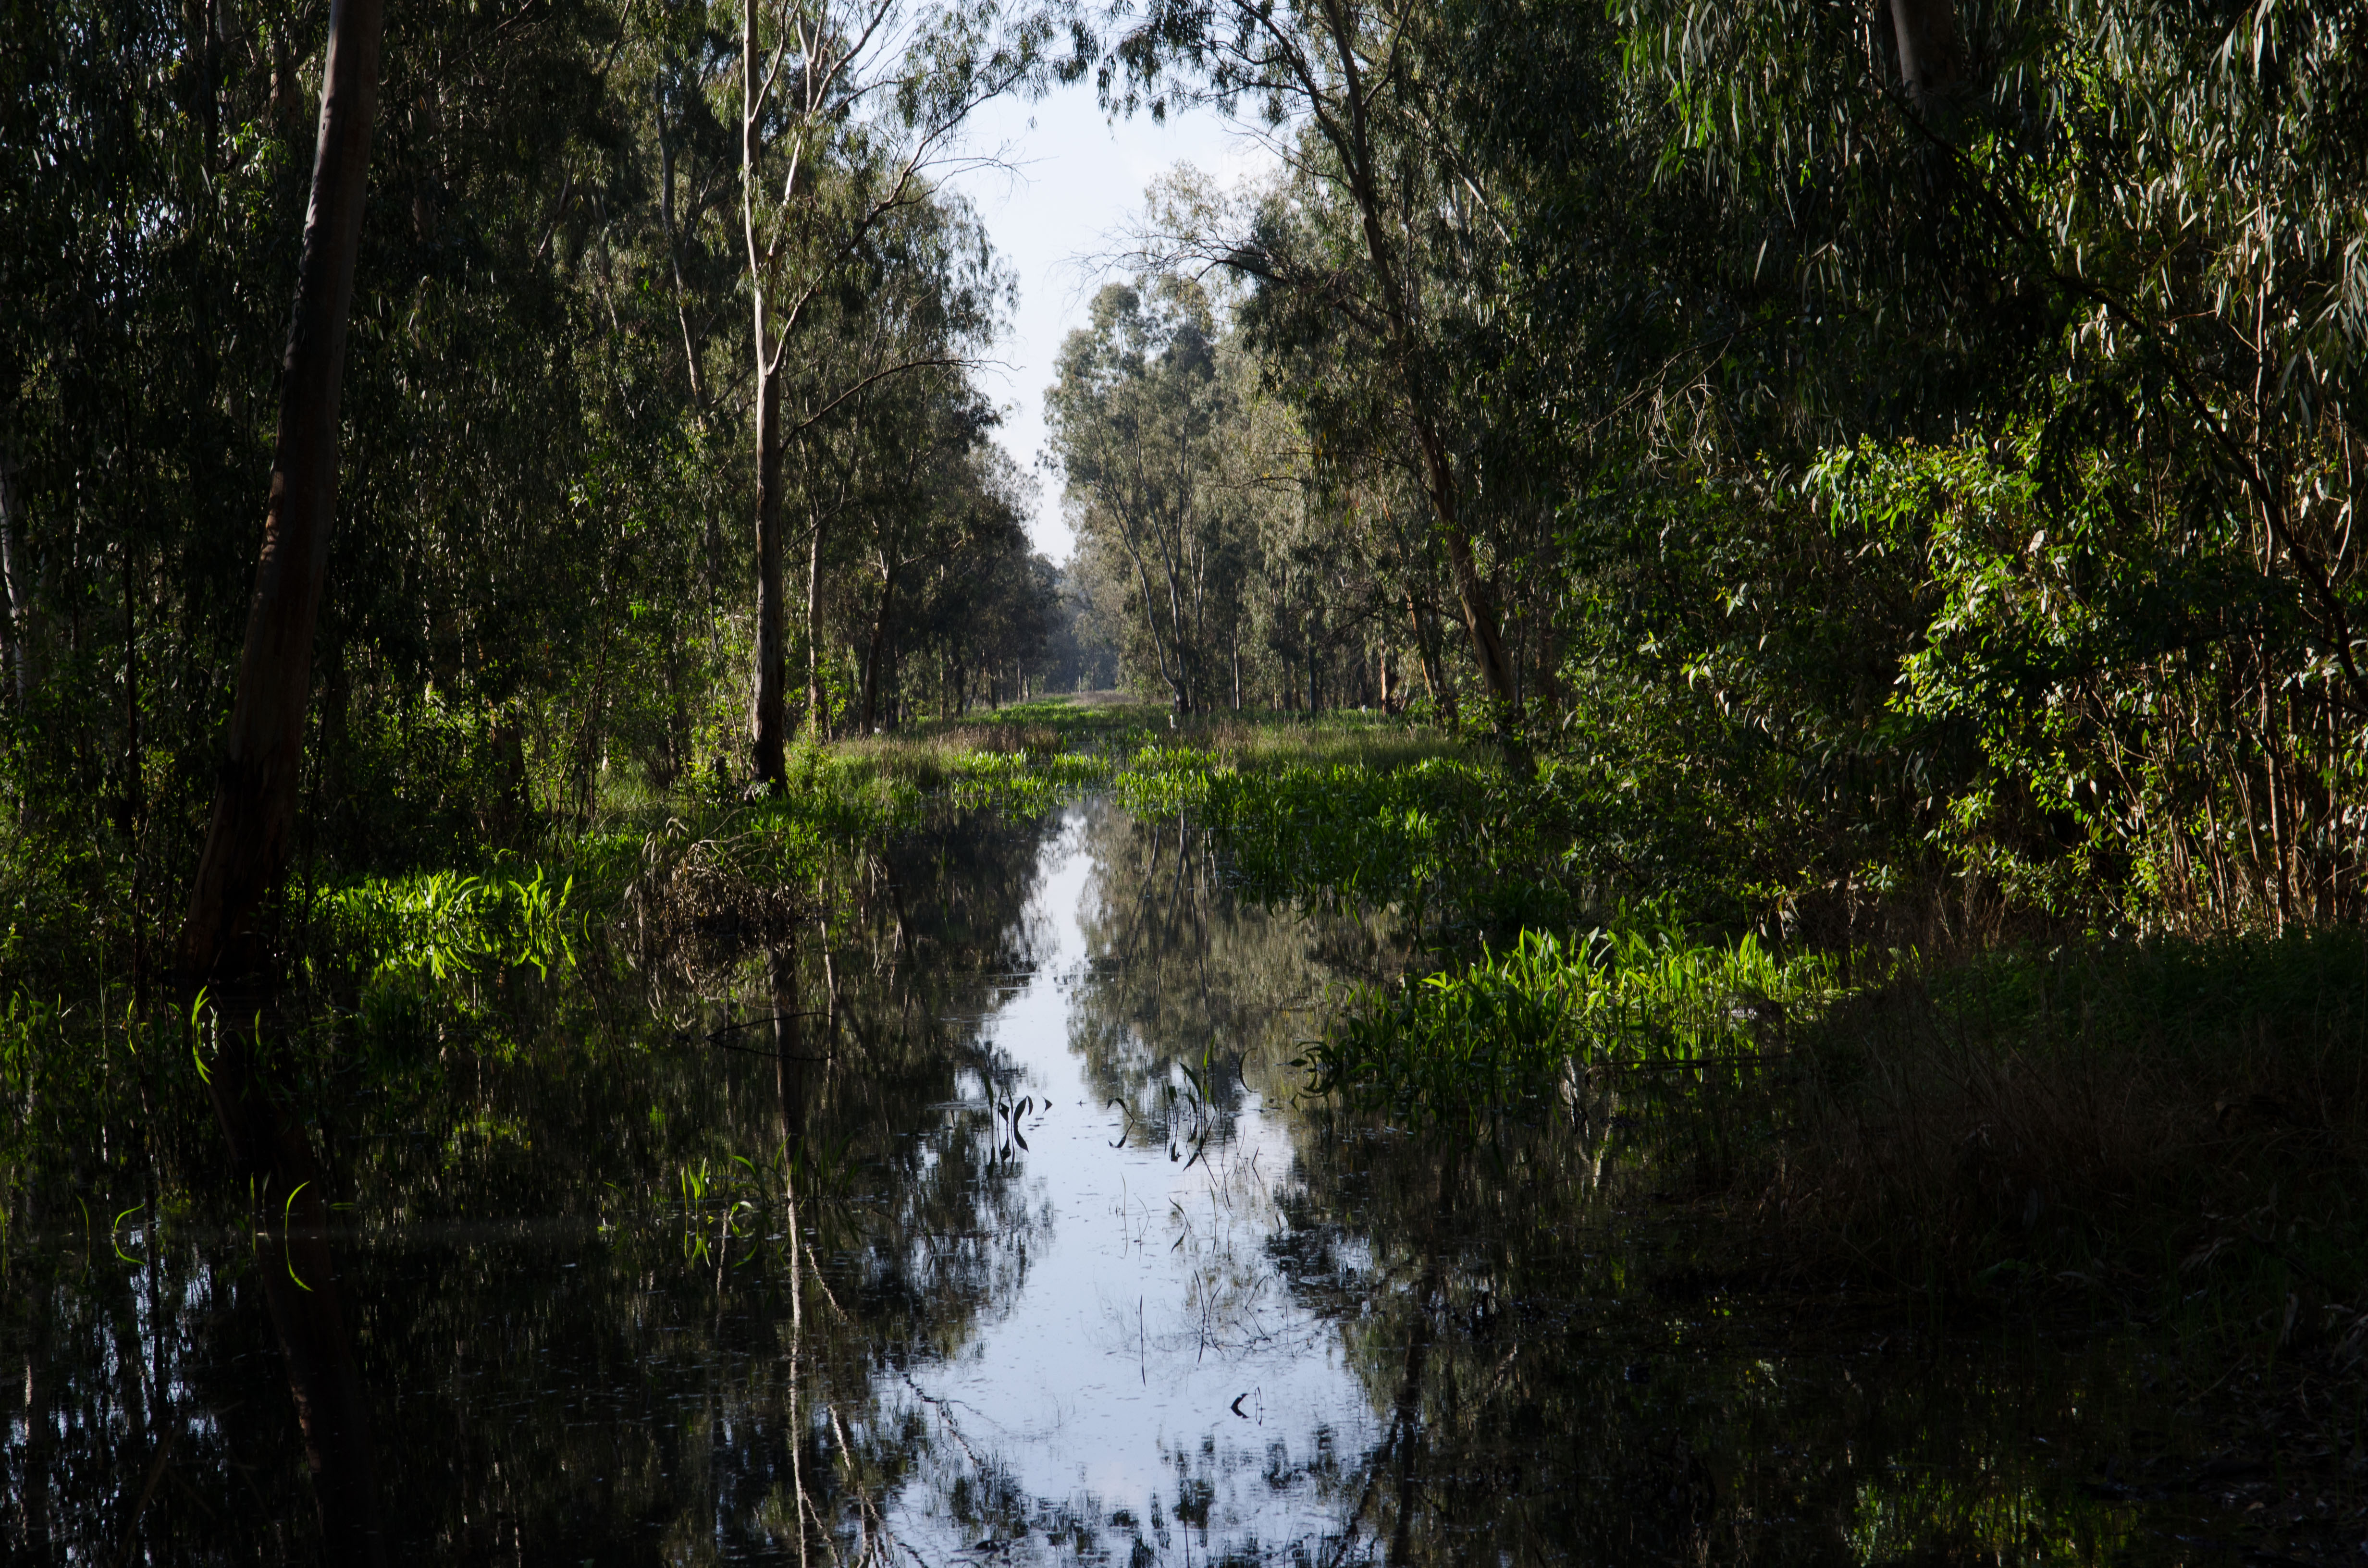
(879, 652)
(674, 254)
(1925, 33)
(764, 704)
(765, 716)
(17, 612)
(246, 847)
(817, 711)
(1481, 619)
(1171, 672)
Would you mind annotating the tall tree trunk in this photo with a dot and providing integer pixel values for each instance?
(817, 710)
(17, 612)
(247, 844)
(1925, 33)
(879, 650)
(764, 706)
(765, 716)
(1170, 671)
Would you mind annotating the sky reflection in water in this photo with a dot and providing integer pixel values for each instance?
(642, 1290)
(1153, 1354)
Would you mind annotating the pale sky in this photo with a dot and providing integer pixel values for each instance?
(1078, 179)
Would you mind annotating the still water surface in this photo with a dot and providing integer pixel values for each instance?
(985, 1230)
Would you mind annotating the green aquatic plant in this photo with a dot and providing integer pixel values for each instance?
(1463, 843)
(1551, 1016)
(1022, 782)
(443, 925)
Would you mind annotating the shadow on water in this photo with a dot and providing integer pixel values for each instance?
(976, 1224)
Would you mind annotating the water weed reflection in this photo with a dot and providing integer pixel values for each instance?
(979, 1214)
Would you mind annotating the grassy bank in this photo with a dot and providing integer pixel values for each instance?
(2164, 1130)
(2172, 1128)
(443, 936)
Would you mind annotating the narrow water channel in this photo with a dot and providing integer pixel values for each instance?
(989, 1231)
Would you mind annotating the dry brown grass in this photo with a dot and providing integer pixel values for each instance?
(695, 908)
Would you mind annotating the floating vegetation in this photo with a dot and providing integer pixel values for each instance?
(1551, 1018)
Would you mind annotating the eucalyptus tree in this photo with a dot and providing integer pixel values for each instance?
(845, 107)
(882, 390)
(961, 503)
(2099, 266)
(1135, 418)
(990, 613)
(146, 262)
(1383, 212)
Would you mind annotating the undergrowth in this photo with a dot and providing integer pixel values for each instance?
(2174, 1125)
(1551, 1021)
(2177, 1128)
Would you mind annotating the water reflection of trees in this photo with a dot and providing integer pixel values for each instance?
(1560, 1381)
(1553, 1378)
(651, 1279)
(1182, 973)
(564, 1365)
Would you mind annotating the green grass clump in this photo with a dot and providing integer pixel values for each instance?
(1465, 844)
(1371, 836)
(443, 925)
(1518, 1026)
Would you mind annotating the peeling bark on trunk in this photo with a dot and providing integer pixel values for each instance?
(764, 704)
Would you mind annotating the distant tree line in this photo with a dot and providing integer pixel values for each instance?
(1896, 462)
(611, 311)
(1880, 457)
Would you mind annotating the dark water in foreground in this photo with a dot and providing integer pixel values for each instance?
(1010, 1248)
